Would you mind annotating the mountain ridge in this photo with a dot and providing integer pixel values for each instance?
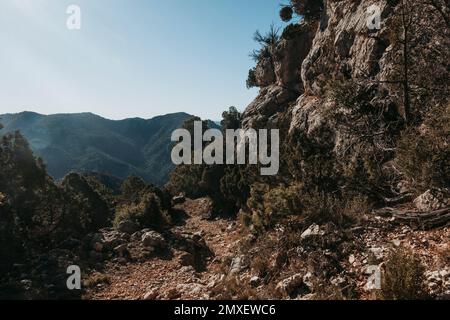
(89, 142)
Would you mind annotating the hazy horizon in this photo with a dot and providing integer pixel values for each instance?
(142, 60)
(99, 115)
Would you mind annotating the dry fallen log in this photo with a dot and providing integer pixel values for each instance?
(420, 220)
(402, 198)
(385, 212)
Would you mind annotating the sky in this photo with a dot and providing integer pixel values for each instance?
(131, 58)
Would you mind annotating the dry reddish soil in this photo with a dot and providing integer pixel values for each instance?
(167, 277)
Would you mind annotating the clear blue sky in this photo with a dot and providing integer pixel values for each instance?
(131, 58)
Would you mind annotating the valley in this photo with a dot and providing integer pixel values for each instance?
(90, 143)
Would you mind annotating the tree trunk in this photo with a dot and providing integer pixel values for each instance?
(406, 97)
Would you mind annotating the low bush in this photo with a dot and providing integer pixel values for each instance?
(94, 212)
(251, 79)
(311, 205)
(283, 201)
(404, 277)
(423, 154)
(144, 204)
(147, 213)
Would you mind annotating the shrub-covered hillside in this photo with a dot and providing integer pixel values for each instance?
(86, 142)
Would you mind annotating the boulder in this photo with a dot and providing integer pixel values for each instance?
(187, 270)
(292, 286)
(122, 251)
(128, 227)
(153, 239)
(112, 239)
(137, 236)
(378, 253)
(238, 264)
(351, 259)
(173, 294)
(433, 199)
(178, 199)
(152, 294)
(308, 280)
(255, 281)
(313, 230)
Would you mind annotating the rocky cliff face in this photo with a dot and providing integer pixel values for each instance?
(279, 76)
(311, 56)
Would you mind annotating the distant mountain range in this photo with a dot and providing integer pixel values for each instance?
(88, 142)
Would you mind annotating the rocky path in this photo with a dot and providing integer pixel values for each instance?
(167, 278)
(173, 276)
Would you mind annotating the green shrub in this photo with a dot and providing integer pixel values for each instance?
(355, 206)
(10, 244)
(321, 207)
(235, 186)
(255, 202)
(186, 179)
(308, 9)
(403, 278)
(311, 163)
(231, 119)
(228, 186)
(368, 131)
(93, 211)
(268, 205)
(35, 213)
(267, 42)
(260, 265)
(37, 205)
(251, 79)
(132, 189)
(283, 201)
(286, 13)
(144, 204)
(147, 213)
(423, 154)
(292, 31)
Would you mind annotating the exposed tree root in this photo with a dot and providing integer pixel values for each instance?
(419, 220)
